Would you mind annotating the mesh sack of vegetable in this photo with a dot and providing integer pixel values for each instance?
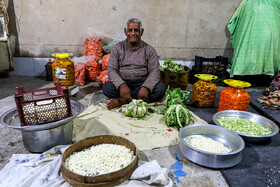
(103, 77)
(93, 47)
(80, 74)
(93, 69)
(80, 68)
(105, 60)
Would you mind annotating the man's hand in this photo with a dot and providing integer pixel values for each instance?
(143, 94)
(125, 92)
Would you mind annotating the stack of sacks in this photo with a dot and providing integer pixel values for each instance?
(93, 47)
(103, 77)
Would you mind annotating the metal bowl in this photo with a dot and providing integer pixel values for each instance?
(252, 117)
(40, 138)
(208, 159)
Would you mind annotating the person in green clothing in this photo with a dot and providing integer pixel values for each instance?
(255, 37)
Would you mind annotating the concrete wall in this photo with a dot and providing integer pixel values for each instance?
(178, 29)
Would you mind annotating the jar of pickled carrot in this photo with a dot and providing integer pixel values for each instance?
(234, 97)
(204, 91)
(63, 69)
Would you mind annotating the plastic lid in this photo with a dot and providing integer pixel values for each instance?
(206, 77)
(62, 55)
(237, 83)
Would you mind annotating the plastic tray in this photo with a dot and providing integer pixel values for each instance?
(211, 65)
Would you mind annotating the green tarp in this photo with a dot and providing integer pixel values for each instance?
(255, 37)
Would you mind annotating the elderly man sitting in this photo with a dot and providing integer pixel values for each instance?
(133, 70)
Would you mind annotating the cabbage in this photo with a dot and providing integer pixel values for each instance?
(170, 65)
(136, 109)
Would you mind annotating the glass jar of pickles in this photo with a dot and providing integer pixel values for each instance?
(63, 69)
(234, 97)
(204, 91)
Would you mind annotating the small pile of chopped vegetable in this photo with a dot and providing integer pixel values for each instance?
(170, 65)
(244, 126)
(176, 96)
(136, 109)
(177, 116)
(207, 144)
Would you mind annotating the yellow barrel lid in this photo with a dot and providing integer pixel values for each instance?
(62, 55)
(206, 77)
(237, 83)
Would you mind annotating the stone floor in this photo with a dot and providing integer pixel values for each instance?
(182, 171)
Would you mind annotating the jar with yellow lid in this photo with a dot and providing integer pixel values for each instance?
(234, 97)
(63, 69)
(204, 91)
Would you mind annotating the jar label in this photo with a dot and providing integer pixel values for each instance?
(60, 72)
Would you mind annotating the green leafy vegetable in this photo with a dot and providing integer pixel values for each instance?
(176, 96)
(177, 116)
(170, 65)
(244, 126)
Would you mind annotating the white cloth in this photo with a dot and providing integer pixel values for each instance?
(147, 174)
(33, 170)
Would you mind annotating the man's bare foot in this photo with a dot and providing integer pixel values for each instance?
(114, 103)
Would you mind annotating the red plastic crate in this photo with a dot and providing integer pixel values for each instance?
(43, 105)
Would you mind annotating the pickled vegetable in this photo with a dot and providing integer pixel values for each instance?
(63, 69)
(204, 91)
(204, 94)
(234, 97)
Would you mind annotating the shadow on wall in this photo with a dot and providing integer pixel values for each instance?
(13, 30)
(228, 48)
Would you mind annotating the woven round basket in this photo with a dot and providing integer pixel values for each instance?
(109, 179)
(175, 79)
